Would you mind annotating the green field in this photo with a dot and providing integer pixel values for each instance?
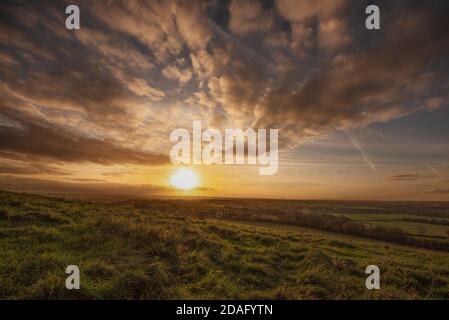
(177, 250)
(416, 229)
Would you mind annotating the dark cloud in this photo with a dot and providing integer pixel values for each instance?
(86, 180)
(31, 137)
(411, 177)
(47, 65)
(33, 169)
(438, 190)
(82, 188)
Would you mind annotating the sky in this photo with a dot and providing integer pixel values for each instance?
(362, 114)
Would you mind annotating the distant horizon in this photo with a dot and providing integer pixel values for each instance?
(124, 197)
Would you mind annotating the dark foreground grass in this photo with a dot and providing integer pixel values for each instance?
(129, 253)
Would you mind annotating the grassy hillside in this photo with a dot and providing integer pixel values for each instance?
(133, 251)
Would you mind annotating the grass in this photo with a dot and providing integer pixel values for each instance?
(134, 250)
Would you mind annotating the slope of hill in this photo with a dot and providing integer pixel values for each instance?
(126, 251)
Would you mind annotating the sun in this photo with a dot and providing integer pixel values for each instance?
(184, 179)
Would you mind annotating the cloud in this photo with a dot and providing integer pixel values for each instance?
(331, 31)
(86, 180)
(80, 188)
(356, 88)
(30, 169)
(438, 190)
(112, 91)
(75, 97)
(300, 10)
(248, 16)
(174, 73)
(193, 23)
(43, 140)
(410, 177)
(163, 26)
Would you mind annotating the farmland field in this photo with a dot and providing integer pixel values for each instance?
(418, 229)
(175, 249)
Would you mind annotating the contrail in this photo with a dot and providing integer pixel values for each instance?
(359, 147)
(379, 134)
(432, 169)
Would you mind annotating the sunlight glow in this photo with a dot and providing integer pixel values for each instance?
(184, 179)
